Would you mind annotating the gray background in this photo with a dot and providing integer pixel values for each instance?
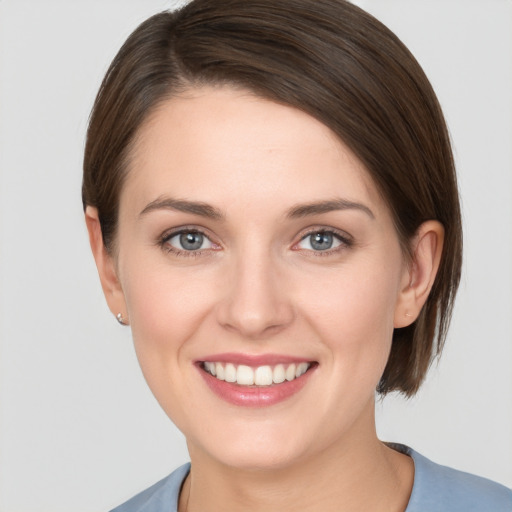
(78, 428)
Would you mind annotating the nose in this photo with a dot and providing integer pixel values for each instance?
(256, 303)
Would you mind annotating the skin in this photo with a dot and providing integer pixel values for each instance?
(258, 287)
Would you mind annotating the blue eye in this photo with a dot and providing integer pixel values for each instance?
(189, 241)
(321, 241)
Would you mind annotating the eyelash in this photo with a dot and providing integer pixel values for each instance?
(164, 239)
(346, 242)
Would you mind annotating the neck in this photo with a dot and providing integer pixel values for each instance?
(359, 473)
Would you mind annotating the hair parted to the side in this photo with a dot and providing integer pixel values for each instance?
(329, 59)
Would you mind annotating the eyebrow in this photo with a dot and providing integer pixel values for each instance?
(210, 212)
(182, 205)
(331, 205)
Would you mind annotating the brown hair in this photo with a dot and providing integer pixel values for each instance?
(327, 58)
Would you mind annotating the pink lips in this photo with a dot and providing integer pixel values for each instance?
(254, 396)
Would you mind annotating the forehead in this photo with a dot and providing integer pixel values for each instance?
(224, 145)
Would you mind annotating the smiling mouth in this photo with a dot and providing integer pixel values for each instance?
(266, 375)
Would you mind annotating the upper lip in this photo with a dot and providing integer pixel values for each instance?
(253, 360)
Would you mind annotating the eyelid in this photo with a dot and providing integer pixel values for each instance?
(167, 235)
(346, 239)
(186, 228)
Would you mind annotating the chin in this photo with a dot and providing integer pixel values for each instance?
(260, 459)
(253, 447)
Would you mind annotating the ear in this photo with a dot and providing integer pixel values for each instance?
(106, 265)
(419, 276)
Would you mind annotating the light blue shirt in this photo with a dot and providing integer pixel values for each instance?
(436, 489)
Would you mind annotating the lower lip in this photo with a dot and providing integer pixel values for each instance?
(255, 396)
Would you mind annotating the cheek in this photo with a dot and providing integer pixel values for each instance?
(353, 314)
(354, 299)
(165, 307)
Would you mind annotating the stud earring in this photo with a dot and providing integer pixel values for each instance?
(408, 315)
(120, 319)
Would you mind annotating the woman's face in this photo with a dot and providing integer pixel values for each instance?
(252, 244)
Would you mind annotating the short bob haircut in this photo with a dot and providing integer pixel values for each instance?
(329, 59)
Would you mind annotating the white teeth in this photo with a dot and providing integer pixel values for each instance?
(230, 373)
(290, 372)
(245, 375)
(302, 368)
(279, 374)
(219, 370)
(261, 376)
(210, 367)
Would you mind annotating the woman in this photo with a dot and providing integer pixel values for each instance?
(272, 205)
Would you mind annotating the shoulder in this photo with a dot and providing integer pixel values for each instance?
(444, 489)
(160, 497)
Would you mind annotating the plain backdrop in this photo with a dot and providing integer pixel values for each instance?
(79, 430)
